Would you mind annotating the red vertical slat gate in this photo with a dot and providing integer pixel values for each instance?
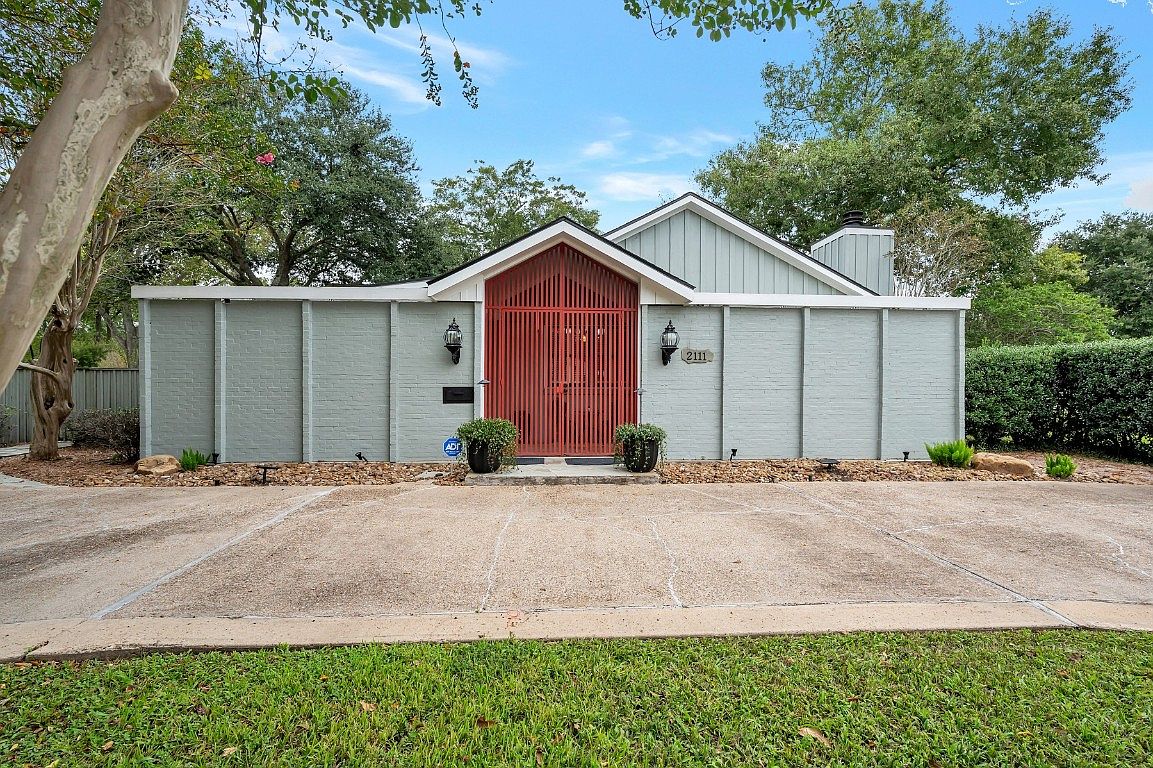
(561, 352)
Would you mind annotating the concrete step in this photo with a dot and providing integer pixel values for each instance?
(563, 474)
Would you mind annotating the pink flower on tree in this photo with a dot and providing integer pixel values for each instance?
(268, 158)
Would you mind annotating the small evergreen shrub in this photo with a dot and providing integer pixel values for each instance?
(499, 434)
(115, 429)
(190, 460)
(634, 436)
(955, 453)
(1059, 465)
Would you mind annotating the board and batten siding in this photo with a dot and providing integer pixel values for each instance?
(814, 382)
(864, 255)
(715, 260)
(293, 380)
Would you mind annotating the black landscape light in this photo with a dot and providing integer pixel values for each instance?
(669, 340)
(452, 339)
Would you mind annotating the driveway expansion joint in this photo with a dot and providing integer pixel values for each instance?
(280, 517)
(940, 559)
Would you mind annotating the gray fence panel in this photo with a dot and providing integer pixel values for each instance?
(93, 389)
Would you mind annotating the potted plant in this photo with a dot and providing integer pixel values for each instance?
(487, 442)
(639, 446)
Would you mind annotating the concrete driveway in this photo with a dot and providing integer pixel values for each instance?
(90, 569)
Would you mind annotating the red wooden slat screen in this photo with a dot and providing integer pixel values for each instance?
(561, 352)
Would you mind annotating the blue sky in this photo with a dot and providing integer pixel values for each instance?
(588, 94)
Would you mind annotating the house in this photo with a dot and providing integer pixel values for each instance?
(686, 317)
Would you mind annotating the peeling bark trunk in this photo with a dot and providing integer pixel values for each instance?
(52, 395)
(106, 101)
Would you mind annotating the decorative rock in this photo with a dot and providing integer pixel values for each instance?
(160, 464)
(1002, 465)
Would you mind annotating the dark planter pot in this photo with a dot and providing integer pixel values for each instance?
(482, 460)
(643, 460)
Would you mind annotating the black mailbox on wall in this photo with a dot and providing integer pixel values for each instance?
(457, 395)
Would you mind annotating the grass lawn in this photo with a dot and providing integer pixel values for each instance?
(938, 699)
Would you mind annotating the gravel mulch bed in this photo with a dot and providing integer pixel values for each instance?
(1090, 470)
(97, 467)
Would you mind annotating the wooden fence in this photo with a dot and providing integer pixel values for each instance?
(93, 389)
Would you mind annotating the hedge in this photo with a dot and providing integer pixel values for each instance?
(1096, 396)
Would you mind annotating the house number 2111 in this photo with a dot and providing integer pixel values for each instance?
(697, 355)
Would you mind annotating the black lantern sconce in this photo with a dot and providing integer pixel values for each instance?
(452, 338)
(669, 340)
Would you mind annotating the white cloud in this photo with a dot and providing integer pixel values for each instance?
(598, 149)
(698, 143)
(404, 88)
(1140, 195)
(629, 186)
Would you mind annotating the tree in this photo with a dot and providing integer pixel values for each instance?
(487, 208)
(194, 140)
(123, 82)
(897, 109)
(1118, 251)
(1039, 305)
(339, 205)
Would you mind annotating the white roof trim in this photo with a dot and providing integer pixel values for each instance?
(414, 291)
(723, 218)
(842, 302)
(850, 231)
(547, 237)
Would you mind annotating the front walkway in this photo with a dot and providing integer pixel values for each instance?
(113, 570)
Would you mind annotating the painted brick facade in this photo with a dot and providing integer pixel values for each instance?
(685, 399)
(263, 396)
(763, 378)
(350, 371)
(921, 381)
(842, 383)
(423, 368)
(181, 377)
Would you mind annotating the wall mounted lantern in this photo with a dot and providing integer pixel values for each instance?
(669, 341)
(452, 338)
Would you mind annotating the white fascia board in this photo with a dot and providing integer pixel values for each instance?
(832, 302)
(726, 220)
(850, 231)
(414, 291)
(561, 231)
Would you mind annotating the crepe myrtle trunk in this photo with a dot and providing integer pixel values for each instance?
(52, 389)
(106, 101)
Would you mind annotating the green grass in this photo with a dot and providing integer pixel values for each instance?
(1070, 698)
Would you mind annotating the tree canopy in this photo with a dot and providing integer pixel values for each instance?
(898, 110)
(1041, 304)
(1118, 252)
(486, 208)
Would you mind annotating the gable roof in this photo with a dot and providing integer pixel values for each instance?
(541, 238)
(732, 223)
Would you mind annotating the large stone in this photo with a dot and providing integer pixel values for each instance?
(1002, 465)
(160, 464)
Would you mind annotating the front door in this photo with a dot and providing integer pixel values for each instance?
(561, 352)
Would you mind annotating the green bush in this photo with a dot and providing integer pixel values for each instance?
(190, 460)
(636, 435)
(1059, 465)
(1093, 397)
(115, 429)
(499, 434)
(956, 453)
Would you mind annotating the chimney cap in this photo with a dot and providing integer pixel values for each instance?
(853, 219)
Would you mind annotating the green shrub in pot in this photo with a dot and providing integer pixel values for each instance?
(639, 446)
(488, 443)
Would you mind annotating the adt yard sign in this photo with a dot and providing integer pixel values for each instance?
(452, 447)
